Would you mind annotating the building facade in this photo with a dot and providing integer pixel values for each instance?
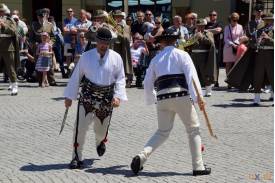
(166, 7)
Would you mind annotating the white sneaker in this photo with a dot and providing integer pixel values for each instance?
(268, 89)
(10, 87)
(208, 91)
(14, 89)
(257, 99)
(71, 66)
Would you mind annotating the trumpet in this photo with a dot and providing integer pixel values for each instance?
(260, 38)
(93, 28)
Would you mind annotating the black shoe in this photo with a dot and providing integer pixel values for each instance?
(217, 85)
(207, 171)
(256, 104)
(138, 84)
(65, 76)
(76, 164)
(101, 149)
(135, 165)
(270, 99)
(53, 84)
(14, 94)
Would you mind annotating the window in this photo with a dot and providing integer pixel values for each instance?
(163, 6)
(268, 5)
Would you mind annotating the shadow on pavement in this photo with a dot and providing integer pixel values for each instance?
(5, 94)
(28, 86)
(41, 168)
(238, 105)
(61, 84)
(117, 170)
(58, 98)
(248, 100)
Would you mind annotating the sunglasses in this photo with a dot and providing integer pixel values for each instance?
(234, 20)
(212, 15)
(147, 14)
(69, 11)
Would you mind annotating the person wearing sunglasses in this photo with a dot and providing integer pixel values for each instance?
(190, 23)
(68, 30)
(129, 20)
(138, 25)
(149, 17)
(216, 28)
(232, 33)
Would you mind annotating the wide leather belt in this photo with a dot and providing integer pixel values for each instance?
(172, 95)
(5, 35)
(97, 99)
(200, 51)
(171, 81)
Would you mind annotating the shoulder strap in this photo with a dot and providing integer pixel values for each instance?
(231, 34)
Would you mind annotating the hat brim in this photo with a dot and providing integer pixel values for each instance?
(166, 37)
(118, 15)
(268, 18)
(99, 16)
(100, 39)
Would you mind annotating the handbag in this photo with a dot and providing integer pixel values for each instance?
(234, 50)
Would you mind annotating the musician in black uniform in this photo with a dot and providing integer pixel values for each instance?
(264, 60)
(203, 56)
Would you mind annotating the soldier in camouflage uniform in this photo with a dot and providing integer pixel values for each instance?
(264, 59)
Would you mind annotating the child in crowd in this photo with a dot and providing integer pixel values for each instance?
(44, 61)
(242, 48)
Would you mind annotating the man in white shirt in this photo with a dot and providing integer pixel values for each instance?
(102, 73)
(172, 73)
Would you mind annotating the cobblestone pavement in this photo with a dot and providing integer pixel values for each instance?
(32, 151)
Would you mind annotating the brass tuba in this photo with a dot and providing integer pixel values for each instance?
(185, 45)
(116, 27)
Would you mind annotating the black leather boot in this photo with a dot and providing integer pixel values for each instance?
(135, 165)
(207, 171)
(101, 149)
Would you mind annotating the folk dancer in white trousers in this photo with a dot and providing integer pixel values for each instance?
(102, 73)
(171, 72)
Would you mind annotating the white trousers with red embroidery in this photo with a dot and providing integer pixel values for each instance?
(82, 126)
